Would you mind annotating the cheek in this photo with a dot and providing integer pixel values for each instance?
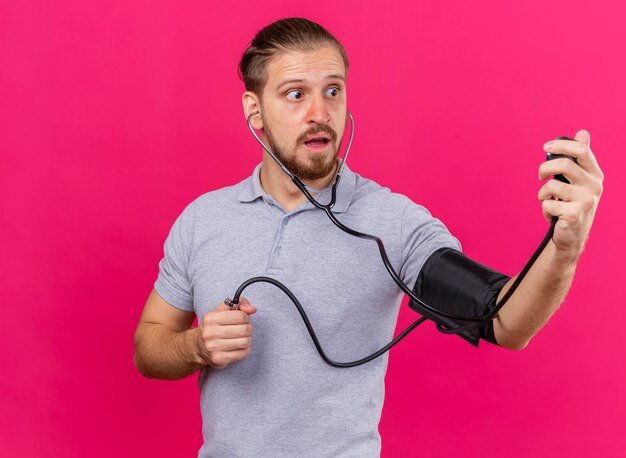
(284, 120)
(340, 116)
(284, 135)
(344, 127)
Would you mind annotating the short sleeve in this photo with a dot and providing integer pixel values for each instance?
(173, 283)
(421, 235)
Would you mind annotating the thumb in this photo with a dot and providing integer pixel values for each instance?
(583, 136)
(249, 309)
(245, 306)
(220, 308)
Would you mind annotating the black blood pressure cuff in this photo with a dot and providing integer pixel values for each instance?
(453, 283)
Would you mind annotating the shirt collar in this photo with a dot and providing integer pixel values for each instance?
(252, 190)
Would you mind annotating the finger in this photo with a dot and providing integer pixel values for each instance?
(233, 331)
(238, 355)
(249, 309)
(245, 306)
(223, 358)
(581, 151)
(221, 308)
(232, 344)
(566, 211)
(563, 166)
(551, 208)
(563, 191)
(583, 136)
(229, 316)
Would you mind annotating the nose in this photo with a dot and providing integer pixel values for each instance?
(318, 112)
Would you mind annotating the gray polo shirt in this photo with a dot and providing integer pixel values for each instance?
(284, 400)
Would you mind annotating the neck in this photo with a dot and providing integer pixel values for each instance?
(277, 184)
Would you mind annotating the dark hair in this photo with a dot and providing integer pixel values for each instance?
(283, 35)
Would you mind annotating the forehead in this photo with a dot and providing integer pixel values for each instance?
(308, 66)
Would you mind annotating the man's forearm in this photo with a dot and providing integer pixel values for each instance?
(163, 353)
(536, 299)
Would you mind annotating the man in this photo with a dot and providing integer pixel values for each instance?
(277, 397)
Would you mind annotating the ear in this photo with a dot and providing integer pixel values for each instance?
(251, 104)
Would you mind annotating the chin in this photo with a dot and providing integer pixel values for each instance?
(319, 171)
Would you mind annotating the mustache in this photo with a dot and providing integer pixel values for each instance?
(318, 129)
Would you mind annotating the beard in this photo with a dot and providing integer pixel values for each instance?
(315, 165)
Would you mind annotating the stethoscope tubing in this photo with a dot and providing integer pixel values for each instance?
(475, 321)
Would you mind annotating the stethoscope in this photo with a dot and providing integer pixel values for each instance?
(296, 180)
(476, 321)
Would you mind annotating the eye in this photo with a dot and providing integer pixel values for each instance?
(332, 92)
(295, 94)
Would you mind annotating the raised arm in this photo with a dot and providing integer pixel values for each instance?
(549, 280)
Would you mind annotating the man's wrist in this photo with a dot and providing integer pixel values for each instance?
(197, 347)
(567, 257)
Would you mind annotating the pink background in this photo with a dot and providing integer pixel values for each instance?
(115, 115)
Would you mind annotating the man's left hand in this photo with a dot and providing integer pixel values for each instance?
(577, 201)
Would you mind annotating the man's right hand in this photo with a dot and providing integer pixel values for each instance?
(224, 335)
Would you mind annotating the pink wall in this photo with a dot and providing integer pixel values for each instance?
(115, 115)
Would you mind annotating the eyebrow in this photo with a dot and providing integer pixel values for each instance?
(300, 80)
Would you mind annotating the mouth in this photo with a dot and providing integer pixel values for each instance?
(318, 142)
